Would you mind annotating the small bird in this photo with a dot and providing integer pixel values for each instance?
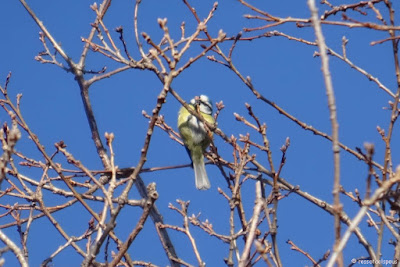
(195, 137)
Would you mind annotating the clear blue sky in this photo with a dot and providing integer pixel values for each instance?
(283, 71)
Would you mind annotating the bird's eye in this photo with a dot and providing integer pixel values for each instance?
(207, 104)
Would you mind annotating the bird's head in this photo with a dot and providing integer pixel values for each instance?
(203, 104)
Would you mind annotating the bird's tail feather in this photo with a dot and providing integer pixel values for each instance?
(201, 178)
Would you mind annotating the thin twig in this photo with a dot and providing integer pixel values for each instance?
(254, 221)
(14, 248)
(333, 117)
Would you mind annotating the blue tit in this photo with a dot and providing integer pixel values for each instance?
(195, 136)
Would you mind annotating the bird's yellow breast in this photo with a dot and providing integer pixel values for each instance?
(192, 130)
